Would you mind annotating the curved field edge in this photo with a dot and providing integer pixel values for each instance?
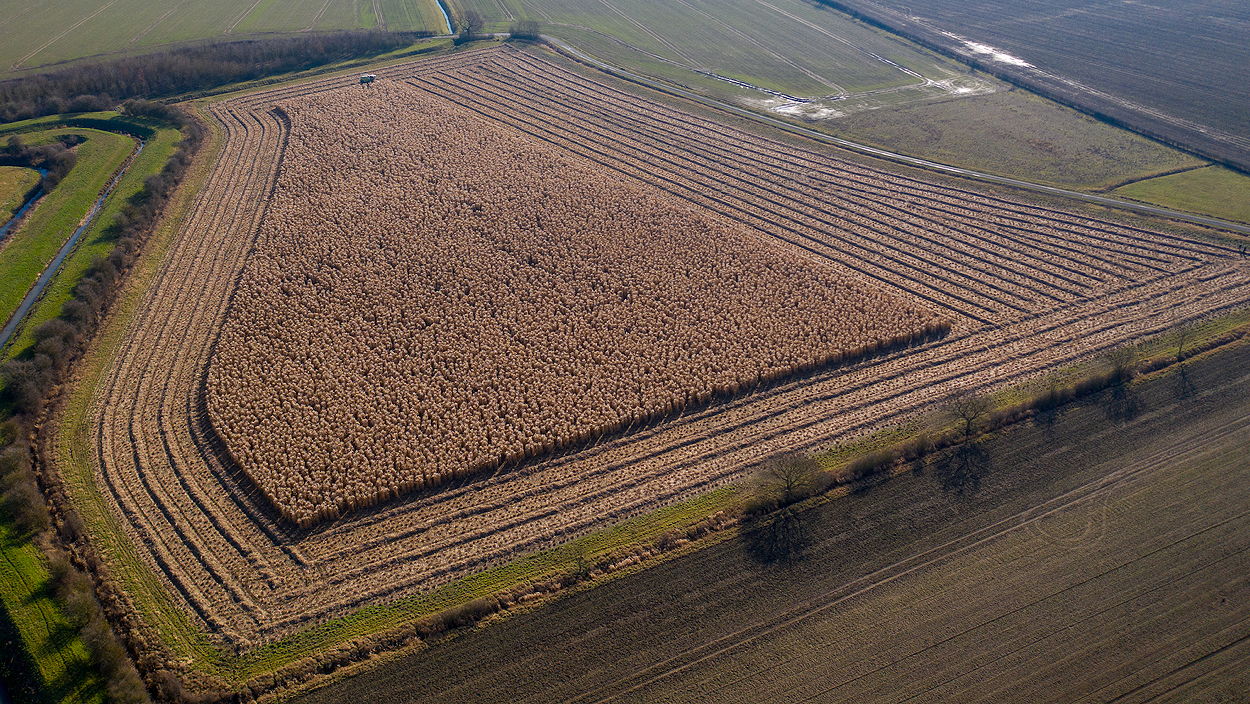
(146, 592)
(69, 441)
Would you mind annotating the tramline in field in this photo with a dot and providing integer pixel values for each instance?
(1025, 288)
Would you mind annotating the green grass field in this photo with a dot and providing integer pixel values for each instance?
(27, 251)
(1015, 132)
(15, 183)
(40, 626)
(37, 33)
(1211, 191)
(939, 585)
(96, 240)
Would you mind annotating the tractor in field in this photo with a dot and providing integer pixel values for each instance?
(367, 78)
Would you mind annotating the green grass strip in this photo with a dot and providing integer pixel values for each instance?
(15, 183)
(44, 631)
(28, 251)
(97, 240)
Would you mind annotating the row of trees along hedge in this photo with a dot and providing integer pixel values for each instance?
(100, 85)
(29, 382)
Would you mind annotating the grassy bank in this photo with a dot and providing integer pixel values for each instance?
(29, 250)
(15, 183)
(40, 627)
(97, 240)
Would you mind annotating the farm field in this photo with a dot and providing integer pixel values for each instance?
(1176, 70)
(1015, 132)
(1213, 189)
(780, 57)
(25, 252)
(542, 331)
(1085, 539)
(36, 33)
(15, 183)
(1025, 288)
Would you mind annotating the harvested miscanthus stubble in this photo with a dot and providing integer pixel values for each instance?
(433, 294)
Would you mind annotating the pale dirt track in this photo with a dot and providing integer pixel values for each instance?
(1029, 287)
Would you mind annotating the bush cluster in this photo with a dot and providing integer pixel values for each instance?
(58, 158)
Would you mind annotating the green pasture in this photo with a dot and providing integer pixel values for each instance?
(37, 33)
(28, 251)
(1212, 190)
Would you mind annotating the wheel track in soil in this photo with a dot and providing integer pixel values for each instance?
(199, 523)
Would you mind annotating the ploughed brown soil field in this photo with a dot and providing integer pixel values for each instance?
(1025, 288)
(432, 294)
(1092, 537)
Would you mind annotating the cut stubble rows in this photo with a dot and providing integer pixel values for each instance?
(1027, 288)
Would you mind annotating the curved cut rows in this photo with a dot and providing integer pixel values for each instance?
(1027, 288)
(433, 295)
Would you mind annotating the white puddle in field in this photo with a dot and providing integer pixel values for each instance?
(832, 108)
(992, 53)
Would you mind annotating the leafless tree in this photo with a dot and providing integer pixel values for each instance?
(471, 24)
(788, 478)
(1123, 361)
(968, 408)
(1183, 336)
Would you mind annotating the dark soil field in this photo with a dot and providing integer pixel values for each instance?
(1115, 532)
(1174, 70)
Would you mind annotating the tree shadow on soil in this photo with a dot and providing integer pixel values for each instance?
(1185, 386)
(1122, 403)
(780, 538)
(960, 472)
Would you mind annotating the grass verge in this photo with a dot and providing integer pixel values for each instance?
(15, 183)
(29, 250)
(1212, 190)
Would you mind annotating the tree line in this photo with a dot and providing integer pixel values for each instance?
(100, 85)
(29, 381)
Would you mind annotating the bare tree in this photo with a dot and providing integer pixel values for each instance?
(968, 408)
(788, 478)
(1123, 361)
(1183, 336)
(471, 25)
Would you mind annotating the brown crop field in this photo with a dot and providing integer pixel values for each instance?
(453, 321)
(1024, 287)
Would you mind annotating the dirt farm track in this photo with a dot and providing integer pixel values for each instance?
(1027, 287)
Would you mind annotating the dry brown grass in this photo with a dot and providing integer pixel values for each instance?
(433, 295)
